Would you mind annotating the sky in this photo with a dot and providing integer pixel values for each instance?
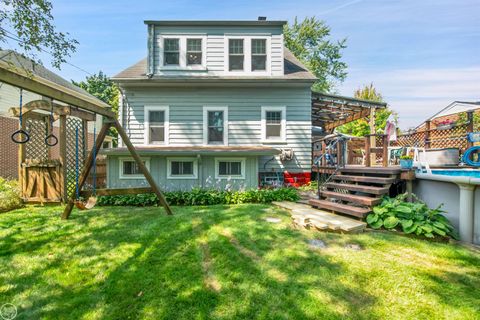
(420, 54)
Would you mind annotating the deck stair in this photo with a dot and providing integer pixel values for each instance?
(354, 191)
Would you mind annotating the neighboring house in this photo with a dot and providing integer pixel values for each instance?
(450, 114)
(218, 104)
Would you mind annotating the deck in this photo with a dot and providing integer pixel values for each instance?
(359, 169)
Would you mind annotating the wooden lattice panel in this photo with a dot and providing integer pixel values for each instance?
(35, 148)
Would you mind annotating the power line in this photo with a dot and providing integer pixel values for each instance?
(12, 37)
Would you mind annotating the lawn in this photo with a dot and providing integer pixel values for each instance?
(223, 262)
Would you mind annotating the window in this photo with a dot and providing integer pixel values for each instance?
(194, 52)
(129, 169)
(273, 124)
(171, 51)
(230, 168)
(259, 54)
(235, 55)
(215, 121)
(156, 125)
(182, 168)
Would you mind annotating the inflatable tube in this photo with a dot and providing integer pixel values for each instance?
(467, 154)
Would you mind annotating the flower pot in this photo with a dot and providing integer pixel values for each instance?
(406, 164)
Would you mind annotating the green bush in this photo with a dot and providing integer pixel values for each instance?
(9, 195)
(203, 197)
(412, 218)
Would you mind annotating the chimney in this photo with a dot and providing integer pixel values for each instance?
(262, 18)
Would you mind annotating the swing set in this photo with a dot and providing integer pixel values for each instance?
(54, 168)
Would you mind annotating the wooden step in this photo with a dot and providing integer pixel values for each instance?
(372, 170)
(364, 179)
(359, 188)
(367, 201)
(338, 207)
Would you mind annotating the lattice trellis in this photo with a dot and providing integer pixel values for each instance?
(455, 137)
(72, 124)
(35, 148)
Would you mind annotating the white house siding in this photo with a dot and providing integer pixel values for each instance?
(10, 97)
(216, 45)
(244, 117)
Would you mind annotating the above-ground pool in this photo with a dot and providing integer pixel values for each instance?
(457, 190)
(458, 173)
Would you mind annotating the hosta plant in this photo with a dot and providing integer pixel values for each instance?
(412, 218)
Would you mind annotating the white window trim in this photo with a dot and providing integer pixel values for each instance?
(183, 52)
(206, 109)
(185, 159)
(242, 167)
(132, 176)
(146, 115)
(283, 137)
(247, 52)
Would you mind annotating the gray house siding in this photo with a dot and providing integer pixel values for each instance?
(244, 117)
(206, 175)
(216, 44)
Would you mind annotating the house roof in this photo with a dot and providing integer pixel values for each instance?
(194, 150)
(293, 70)
(19, 61)
(222, 23)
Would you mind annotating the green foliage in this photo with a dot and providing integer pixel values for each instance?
(9, 195)
(104, 89)
(406, 157)
(31, 23)
(361, 128)
(311, 186)
(203, 197)
(309, 42)
(412, 218)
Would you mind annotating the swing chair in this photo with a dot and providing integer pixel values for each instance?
(92, 200)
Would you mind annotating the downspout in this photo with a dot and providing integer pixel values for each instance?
(200, 171)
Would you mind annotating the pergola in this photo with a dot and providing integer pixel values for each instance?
(330, 111)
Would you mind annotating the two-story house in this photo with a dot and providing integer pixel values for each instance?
(215, 104)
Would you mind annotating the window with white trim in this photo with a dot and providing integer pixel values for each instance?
(156, 125)
(259, 54)
(215, 125)
(236, 56)
(182, 168)
(274, 124)
(171, 51)
(229, 168)
(129, 168)
(194, 52)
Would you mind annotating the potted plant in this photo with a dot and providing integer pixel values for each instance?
(406, 162)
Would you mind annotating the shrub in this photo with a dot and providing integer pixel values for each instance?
(411, 218)
(310, 186)
(203, 197)
(9, 195)
(406, 157)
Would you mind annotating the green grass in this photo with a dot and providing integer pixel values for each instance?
(223, 262)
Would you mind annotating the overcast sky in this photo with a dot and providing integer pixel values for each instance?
(420, 54)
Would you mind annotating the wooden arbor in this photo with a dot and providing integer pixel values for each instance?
(23, 73)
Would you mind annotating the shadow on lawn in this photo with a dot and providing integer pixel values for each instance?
(264, 269)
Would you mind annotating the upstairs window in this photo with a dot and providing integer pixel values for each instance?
(156, 126)
(215, 127)
(194, 52)
(273, 124)
(259, 54)
(235, 55)
(171, 49)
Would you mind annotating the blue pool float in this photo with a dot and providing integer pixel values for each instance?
(466, 156)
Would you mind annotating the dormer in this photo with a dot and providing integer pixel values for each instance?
(215, 48)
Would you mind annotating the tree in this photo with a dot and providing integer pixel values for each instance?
(104, 89)
(361, 128)
(309, 42)
(30, 23)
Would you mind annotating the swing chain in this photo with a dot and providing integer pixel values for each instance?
(51, 140)
(20, 136)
